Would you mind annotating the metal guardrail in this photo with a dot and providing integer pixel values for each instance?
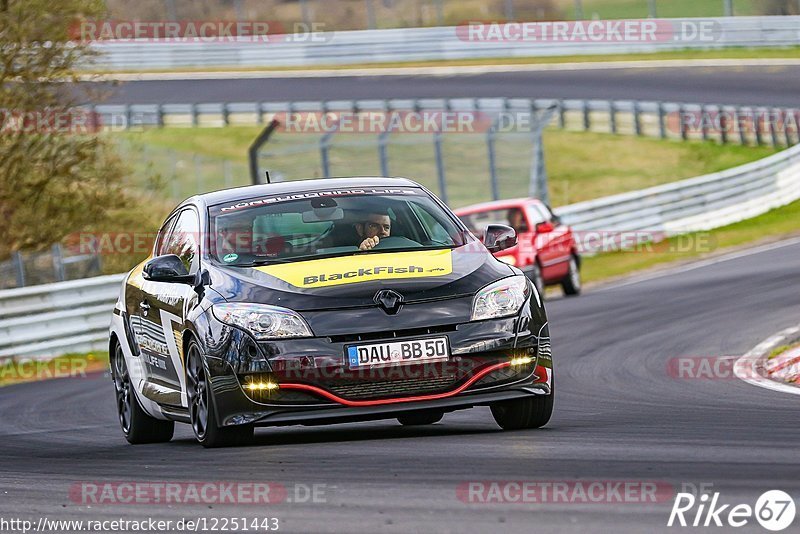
(52, 319)
(666, 120)
(692, 205)
(439, 43)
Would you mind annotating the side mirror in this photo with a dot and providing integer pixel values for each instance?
(545, 227)
(499, 237)
(168, 268)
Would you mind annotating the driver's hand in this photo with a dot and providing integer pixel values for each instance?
(369, 243)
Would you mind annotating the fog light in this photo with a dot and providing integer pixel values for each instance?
(522, 360)
(261, 386)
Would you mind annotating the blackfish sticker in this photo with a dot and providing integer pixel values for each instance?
(362, 268)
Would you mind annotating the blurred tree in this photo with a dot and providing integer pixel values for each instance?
(57, 176)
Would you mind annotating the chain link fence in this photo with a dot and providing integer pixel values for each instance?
(57, 264)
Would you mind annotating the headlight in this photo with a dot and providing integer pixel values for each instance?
(500, 299)
(263, 321)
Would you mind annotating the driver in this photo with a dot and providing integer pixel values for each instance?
(516, 220)
(372, 228)
(236, 236)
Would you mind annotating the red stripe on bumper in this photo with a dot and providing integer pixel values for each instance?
(336, 398)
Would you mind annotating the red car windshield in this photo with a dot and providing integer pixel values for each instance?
(513, 217)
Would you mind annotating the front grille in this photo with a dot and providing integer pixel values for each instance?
(394, 388)
(389, 335)
(505, 375)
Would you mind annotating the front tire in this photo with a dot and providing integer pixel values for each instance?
(518, 414)
(420, 418)
(202, 412)
(137, 426)
(572, 283)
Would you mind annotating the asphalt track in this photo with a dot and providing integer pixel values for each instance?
(619, 416)
(751, 85)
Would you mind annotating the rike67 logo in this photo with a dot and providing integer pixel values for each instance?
(774, 510)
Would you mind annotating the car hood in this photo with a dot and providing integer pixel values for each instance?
(353, 281)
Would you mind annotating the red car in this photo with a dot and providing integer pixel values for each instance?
(546, 249)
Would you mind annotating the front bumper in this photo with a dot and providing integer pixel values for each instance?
(315, 386)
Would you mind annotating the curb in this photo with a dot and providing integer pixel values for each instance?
(751, 369)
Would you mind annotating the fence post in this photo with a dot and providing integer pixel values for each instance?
(128, 116)
(586, 119)
(785, 114)
(562, 119)
(160, 115)
(226, 114)
(637, 119)
(662, 127)
(490, 137)
(260, 113)
(509, 9)
(684, 133)
(757, 126)
(437, 146)
(195, 116)
(323, 153)
(20, 268)
(612, 116)
(58, 262)
(383, 140)
(703, 122)
(742, 129)
(370, 15)
(728, 7)
(723, 124)
(773, 131)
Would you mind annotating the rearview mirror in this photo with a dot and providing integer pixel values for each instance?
(168, 268)
(326, 214)
(545, 227)
(499, 237)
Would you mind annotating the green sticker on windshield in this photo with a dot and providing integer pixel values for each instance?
(228, 258)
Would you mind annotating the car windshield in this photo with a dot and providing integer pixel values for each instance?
(513, 217)
(285, 228)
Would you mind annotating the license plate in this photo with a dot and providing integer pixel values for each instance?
(397, 353)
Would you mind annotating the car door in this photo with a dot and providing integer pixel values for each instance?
(553, 259)
(162, 311)
(146, 332)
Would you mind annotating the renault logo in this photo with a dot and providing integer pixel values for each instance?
(389, 301)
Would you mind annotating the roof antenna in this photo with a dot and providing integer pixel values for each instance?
(267, 174)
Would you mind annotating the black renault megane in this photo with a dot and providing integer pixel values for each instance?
(324, 301)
